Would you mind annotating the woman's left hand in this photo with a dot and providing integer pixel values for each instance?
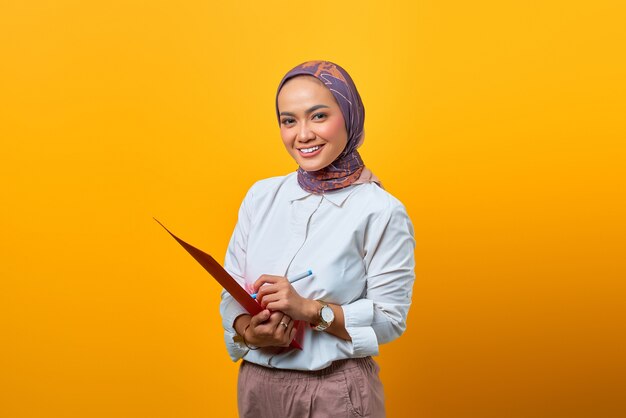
(277, 294)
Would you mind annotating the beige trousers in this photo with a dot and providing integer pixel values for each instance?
(347, 388)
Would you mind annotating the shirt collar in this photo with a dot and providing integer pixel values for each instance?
(336, 197)
(294, 191)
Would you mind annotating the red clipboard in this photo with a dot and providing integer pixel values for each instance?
(226, 280)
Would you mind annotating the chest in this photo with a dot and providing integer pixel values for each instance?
(287, 238)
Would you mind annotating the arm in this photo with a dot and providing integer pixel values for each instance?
(234, 263)
(263, 329)
(279, 295)
(380, 316)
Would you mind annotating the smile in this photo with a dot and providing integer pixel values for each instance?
(311, 151)
(308, 150)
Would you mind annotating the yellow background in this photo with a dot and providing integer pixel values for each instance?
(499, 124)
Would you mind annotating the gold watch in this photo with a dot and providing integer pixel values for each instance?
(326, 317)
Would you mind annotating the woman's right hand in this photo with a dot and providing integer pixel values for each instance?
(267, 329)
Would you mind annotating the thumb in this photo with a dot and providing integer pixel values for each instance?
(260, 317)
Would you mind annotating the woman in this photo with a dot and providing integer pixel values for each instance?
(331, 217)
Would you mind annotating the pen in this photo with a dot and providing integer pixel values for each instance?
(293, 279)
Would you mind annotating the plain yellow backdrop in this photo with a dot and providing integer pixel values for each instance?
(499, 124)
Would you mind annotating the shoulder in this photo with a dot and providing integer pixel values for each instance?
(376, 201)
(385, 218)
(272, 183)
(269, 188)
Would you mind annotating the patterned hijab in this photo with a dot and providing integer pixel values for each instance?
(348, 168)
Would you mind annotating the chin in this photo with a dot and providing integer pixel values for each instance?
(310, 167)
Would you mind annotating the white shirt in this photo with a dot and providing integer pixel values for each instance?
(358, 241)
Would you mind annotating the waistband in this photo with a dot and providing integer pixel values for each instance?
(367, 363)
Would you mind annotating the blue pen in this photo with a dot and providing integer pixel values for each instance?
(293, 279)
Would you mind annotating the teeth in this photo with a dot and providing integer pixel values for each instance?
(307, 150)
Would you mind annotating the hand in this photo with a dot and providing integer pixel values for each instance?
(277, 294)
(267, 329)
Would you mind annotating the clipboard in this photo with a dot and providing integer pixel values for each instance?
(228, 283)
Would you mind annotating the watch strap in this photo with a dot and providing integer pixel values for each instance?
(322, 325)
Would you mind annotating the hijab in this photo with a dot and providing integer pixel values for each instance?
(348, 168)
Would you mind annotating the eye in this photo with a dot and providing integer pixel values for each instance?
(287, 121)
(322, 116)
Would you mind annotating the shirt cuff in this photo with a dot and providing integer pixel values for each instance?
(358, 317)
(232, 310)
(235, 351)
(364, 342)
(359, 313)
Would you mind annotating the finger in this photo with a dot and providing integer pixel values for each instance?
(268, 327)
(289, 335)
(275, 318)
(285, 319)
(281, 329)
(260, 317)
(266, 278)
(270, 289)
(273, 303)
(289, 327)
(264, 291)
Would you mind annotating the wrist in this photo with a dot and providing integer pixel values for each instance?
(325, 316)
(312, 311)
(241, 323)
(246, 341)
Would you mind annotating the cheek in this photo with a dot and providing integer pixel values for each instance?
(335, 130)
(285, 137)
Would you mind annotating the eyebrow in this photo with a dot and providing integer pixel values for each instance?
(306, 112)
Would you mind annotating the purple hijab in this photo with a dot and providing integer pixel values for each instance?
(348, 167)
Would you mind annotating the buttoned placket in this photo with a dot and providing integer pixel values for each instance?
(301, 214)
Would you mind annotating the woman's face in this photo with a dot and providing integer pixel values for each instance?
(311, 123)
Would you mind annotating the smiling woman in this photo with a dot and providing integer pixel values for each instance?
(312, 126)
(332, 218)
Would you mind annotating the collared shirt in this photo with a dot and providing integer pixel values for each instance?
(359, 243)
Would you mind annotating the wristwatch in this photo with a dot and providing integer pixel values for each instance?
(326, 317)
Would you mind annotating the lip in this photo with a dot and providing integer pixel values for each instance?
(311, 154)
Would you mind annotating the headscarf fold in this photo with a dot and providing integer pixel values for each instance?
(348, 168)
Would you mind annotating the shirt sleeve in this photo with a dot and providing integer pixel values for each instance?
(389, 259)
(235, 264)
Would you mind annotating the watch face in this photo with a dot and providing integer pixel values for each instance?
(327, 314)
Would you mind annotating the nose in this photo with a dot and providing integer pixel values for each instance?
(305, 134)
